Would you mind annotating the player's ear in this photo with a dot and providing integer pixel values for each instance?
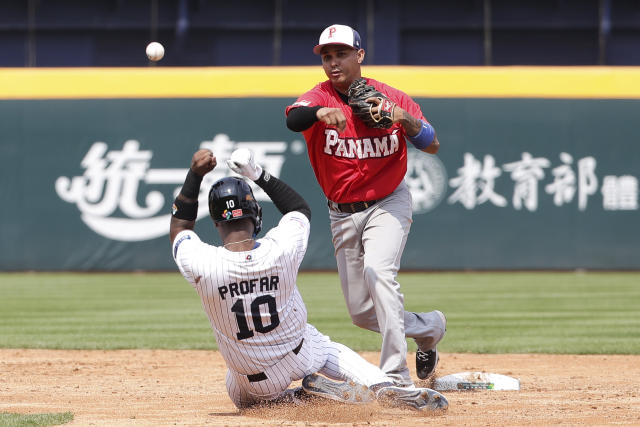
(360, 56)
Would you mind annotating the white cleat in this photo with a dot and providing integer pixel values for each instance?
(345, 392)
(421, 399)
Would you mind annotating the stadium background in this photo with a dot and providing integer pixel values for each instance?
(538, 168)
(557, 79)
(72, 33)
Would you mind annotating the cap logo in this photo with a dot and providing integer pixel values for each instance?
(236, 213)
(340, 35)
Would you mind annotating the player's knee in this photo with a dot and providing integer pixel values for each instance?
(366, 320)
(376, 275)
(356, 320)
(370, 274)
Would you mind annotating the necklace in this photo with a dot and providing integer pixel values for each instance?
(240, 241)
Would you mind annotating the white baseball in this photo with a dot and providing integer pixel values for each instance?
(241, 156)
(155, 51)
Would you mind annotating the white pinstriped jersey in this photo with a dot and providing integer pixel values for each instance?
(250, 297)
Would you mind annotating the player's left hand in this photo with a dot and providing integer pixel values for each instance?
(383, 111)
(203, 162)
(243, 163)
(374, 108)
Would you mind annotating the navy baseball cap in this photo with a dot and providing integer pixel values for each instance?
(338, 34)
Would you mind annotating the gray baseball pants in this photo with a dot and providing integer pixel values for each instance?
(368, 248)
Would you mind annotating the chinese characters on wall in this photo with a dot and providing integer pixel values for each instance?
(567, 181)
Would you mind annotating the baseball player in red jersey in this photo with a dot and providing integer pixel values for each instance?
(249, 293)
(361, 170)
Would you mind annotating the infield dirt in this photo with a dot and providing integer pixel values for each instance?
(158, 387)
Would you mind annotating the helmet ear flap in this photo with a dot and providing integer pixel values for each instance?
(257, 221)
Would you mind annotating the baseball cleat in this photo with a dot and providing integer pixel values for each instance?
(346, 392)
(421, 399)
(293, 396)
(426, 362)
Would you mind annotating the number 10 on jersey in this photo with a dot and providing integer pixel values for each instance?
(243, 325)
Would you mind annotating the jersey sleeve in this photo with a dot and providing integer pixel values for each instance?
(409, 105)
(413, 108)
(186, 249)
(292, 234)
(312, 98)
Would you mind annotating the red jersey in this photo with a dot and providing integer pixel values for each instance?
(360, 163)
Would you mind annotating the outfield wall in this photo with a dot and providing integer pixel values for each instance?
(538, 167)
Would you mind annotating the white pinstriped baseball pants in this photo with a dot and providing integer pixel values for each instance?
(368, 248)
(318, 354)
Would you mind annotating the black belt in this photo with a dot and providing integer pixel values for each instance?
(351, 207)
(261, 376)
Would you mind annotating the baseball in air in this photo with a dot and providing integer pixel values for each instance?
(155, 51)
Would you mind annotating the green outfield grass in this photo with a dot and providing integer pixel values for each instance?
(487, 312)
(31, 420)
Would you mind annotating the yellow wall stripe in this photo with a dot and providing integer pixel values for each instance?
(290, 82)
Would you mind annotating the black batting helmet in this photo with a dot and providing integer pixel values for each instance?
(230, 199)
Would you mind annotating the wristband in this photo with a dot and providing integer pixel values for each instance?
(184, 210)
(263, 179)
(424, 138)
(191, 186)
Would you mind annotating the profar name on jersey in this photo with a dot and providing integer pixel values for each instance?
(263, 284)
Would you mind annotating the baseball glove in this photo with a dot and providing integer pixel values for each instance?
(375, 113)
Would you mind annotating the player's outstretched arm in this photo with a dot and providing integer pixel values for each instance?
(284, 197)
(185, 206)
(302, 118)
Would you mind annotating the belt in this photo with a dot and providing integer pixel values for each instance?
(261, 376)
(351, 207)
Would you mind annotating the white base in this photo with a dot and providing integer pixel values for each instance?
(476, 381)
